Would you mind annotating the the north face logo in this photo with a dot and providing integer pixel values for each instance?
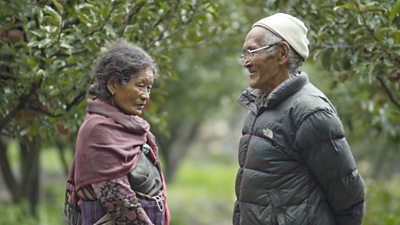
(268, 133)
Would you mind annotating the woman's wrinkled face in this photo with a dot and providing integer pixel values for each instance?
(132, 97)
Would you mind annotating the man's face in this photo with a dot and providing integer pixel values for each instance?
(263, 66)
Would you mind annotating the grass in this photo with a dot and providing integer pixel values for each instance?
(383, 205)
(202, 194)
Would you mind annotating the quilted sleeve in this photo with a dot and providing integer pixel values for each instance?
(321, 141)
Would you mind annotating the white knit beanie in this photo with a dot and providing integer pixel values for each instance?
(290, 29)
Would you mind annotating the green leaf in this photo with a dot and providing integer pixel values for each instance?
(350, 6)
(31, 61)
(58, 6)
(44, 43)
(104, 12)
(325, 57)
(55, 17)
(382, 32)
(395, 10)
(396, 36)
(370, 7)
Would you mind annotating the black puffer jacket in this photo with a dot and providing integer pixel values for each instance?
(295, 164)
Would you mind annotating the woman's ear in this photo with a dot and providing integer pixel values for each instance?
(111, 84)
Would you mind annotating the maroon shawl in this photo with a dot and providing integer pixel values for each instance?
(108, 146)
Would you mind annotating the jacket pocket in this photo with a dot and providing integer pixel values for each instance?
(279, 214)
(275, 202)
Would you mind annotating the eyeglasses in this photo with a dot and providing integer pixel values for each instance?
(250, 53)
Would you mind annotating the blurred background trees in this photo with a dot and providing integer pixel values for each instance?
(47, 49)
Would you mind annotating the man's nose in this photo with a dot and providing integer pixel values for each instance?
(246, 62)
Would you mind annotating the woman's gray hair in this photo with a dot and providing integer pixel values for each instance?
(122, 60)
(295, 61)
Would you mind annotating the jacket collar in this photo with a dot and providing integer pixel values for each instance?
(253, 99)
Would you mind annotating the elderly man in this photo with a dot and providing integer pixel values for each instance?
(295, 164)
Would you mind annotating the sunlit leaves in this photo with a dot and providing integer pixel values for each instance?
(394, 13)
(358, 43)
(51, 63)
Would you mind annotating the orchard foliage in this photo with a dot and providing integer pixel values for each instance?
(358, 42)
(48, 49)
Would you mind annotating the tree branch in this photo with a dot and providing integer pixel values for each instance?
(23, 100)
(391, 54)
(196, 10)
(44, 111)
(135, 11)
(392, 98)
(104, 22)
(78, 98)
(168, 22)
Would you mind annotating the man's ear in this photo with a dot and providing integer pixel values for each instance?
(111, 84)
(283, 52)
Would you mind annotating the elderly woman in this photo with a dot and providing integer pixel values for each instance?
(115, 177)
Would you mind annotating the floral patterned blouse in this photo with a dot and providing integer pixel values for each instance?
(118, 200)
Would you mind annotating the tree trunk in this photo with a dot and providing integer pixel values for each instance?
(61, 146)
(8, 176)
(178, 148)
(30, 172)
(378, 165)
